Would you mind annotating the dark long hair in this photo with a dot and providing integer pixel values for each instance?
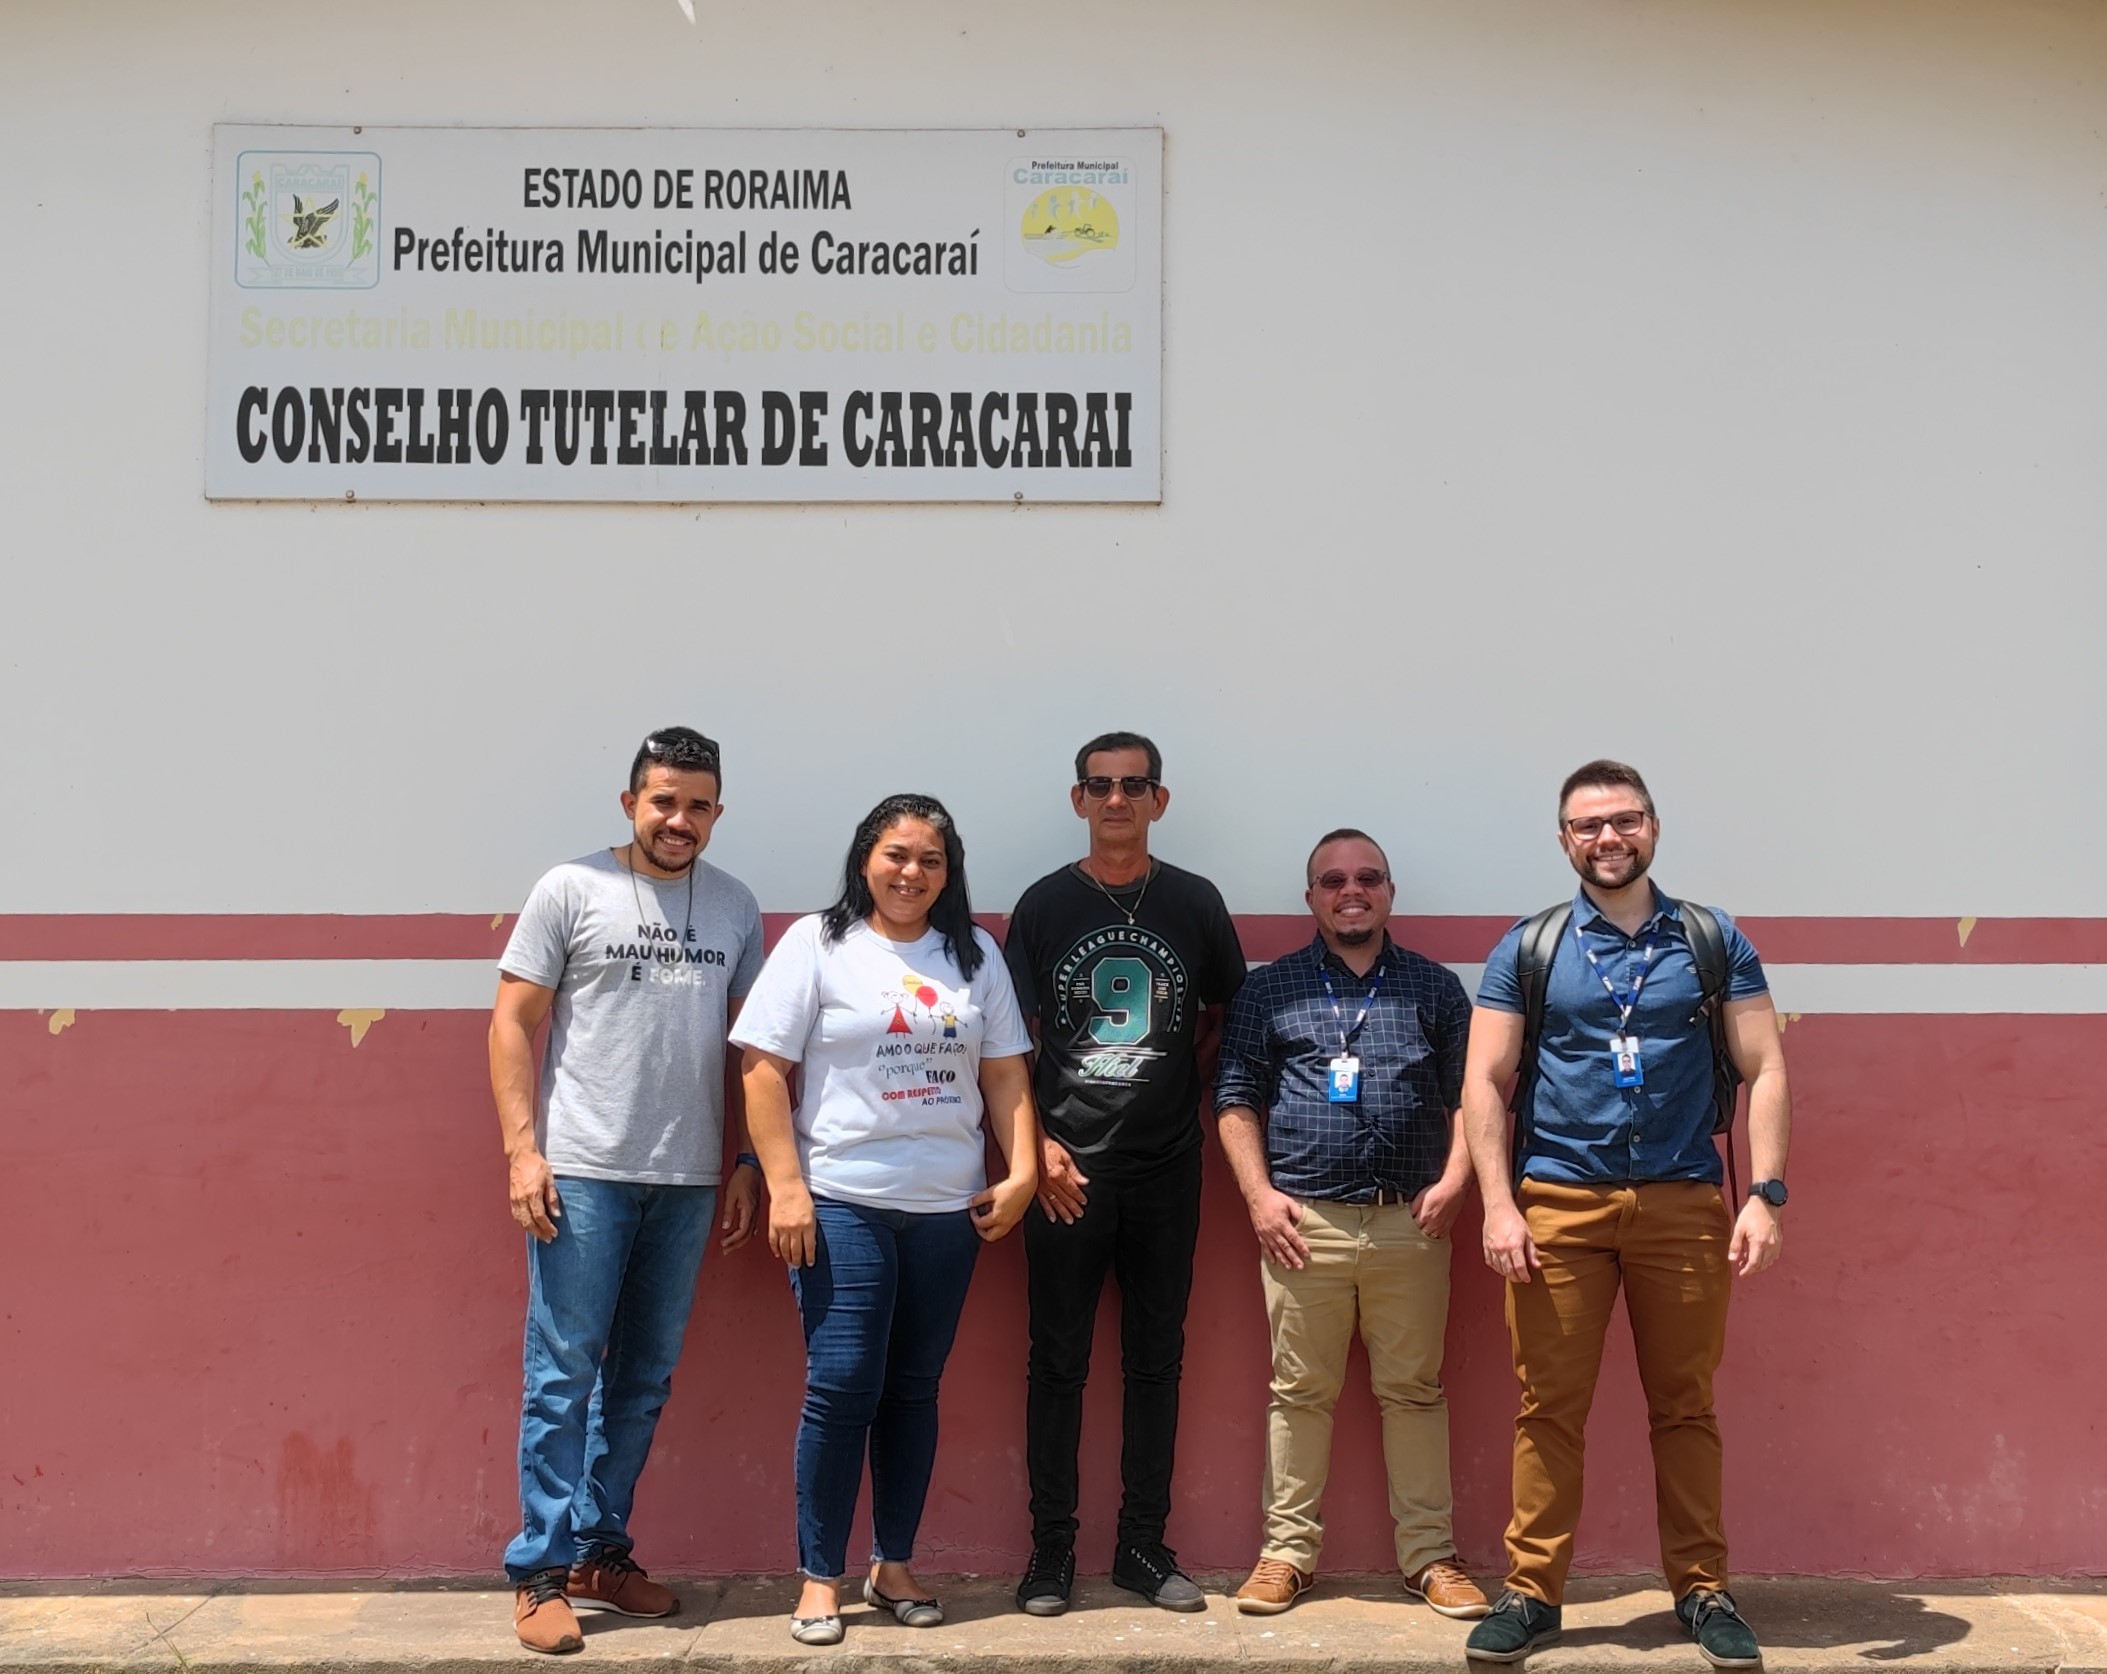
(950, 914)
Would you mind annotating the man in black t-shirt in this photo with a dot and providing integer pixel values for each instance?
(1117, 960)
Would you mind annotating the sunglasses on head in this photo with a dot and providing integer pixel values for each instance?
(658, 748)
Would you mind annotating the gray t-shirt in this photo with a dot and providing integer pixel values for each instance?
(632, 1087)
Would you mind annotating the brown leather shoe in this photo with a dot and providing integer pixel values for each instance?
(1445, 1586)
(542, 1616)
(611, 1580)
(1274, 1585)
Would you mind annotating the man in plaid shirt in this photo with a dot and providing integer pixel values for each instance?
(1341, 1073)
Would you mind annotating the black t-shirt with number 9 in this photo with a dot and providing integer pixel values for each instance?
(1117, 1004)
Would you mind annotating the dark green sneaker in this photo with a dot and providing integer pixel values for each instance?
(1723, 1638)
(1518, 1625)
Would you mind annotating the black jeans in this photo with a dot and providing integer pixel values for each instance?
(1142, 1231)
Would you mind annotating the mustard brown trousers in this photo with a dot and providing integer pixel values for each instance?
(1665, 1243)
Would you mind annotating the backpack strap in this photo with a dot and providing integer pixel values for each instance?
(1708, 952)
(1532, 968)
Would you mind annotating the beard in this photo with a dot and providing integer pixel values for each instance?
(1591, 869)
(666, 863)
(1356, 938)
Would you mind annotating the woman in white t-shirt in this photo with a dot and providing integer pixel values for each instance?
(900, 1017)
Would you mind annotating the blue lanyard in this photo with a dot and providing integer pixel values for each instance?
(1346, 1035)
(1624, 1007)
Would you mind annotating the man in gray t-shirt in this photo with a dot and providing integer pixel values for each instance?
(638, 957)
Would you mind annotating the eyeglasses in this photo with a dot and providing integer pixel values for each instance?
(1133, 787)
(1629, 823)
(1332, 882)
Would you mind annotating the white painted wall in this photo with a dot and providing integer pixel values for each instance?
(1720, 386)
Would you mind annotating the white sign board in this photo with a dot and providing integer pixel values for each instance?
(685, 314)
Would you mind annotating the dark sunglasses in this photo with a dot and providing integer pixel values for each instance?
(1133, 787)
(1332, 882)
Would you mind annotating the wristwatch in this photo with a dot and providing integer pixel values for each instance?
(1771, 1191)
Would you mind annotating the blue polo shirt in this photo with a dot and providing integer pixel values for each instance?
(1587, 1129)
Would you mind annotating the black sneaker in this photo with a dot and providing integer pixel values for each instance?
(1048, 1580)
(1723, 1638)
(1518, 1625)
(1153, 1572)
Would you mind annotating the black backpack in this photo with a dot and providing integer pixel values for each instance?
(1708, 951)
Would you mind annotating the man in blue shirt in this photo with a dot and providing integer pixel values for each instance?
(1340, 1072)
(1618, 1182)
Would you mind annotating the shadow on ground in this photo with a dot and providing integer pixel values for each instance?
(1887, 1622)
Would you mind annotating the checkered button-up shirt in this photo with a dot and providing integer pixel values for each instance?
(1277, 1051)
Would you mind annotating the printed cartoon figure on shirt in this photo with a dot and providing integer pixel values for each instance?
(919, 1054)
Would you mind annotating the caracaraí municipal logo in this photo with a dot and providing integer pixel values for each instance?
(307, 220)
(1074, 220)
(1064, 223)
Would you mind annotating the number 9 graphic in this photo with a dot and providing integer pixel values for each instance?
(1120, 990)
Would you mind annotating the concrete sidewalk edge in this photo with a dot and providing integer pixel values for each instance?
(739, 1624)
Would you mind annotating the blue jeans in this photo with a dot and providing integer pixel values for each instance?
(607, 1307)
(880, 1304)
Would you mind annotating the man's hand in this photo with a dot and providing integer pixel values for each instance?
(742, 1206)
(1061, 1182)
(998, 1209)
(1759, 1236)
(793, 1228)
(1435, 1210)
(1509, 1250)
(1273, 1218)
(535, 1204)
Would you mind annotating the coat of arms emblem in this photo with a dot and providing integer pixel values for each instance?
(308, 221)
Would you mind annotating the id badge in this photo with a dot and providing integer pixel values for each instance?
(1629, 1070)
(1345, 1084)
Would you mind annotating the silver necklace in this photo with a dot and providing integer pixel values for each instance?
(1147, 878)
(637, 895)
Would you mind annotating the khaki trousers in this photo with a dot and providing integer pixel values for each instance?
(1374, 1268)
(1666, 1243)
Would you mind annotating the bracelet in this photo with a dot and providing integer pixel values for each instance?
(746, 1159)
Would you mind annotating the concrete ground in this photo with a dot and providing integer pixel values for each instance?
(739, 1625)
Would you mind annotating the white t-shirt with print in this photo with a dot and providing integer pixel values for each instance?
(890, 1037)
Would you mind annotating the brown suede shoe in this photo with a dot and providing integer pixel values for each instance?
(611, 1580)
(542, 1616)
(1451, 1592)
(1274, 1585)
